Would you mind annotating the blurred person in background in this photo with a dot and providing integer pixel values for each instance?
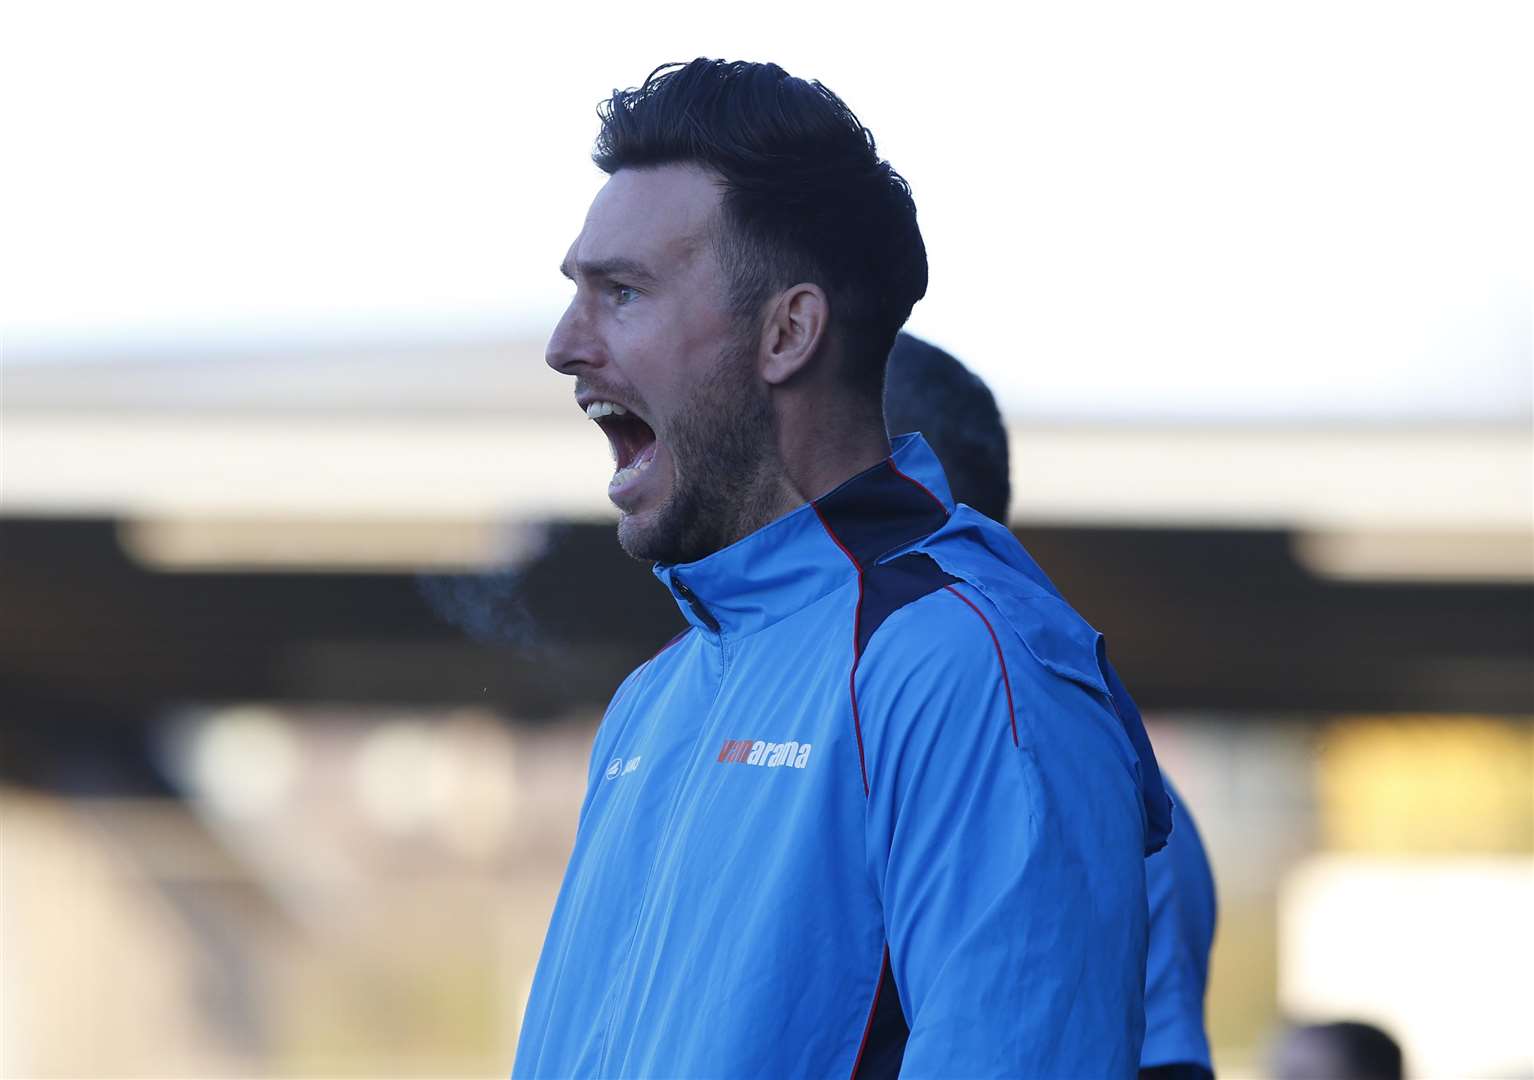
(800, 850)
(1345, 1050)
(927, 390)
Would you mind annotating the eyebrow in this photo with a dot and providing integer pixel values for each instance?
(609, 268)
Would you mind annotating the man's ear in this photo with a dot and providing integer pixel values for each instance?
(796, 327)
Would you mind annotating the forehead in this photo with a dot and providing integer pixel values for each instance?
(660, 216)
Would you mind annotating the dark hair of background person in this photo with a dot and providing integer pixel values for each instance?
(927, 390)
(806, 197)
(1348, 1050)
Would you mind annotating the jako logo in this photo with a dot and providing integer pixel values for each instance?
(768, 754)
(616, 767)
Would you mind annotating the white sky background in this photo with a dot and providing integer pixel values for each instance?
(1172, 211)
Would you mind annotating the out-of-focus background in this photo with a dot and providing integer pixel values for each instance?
(309, 599)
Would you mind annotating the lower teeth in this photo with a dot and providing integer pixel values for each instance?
(628, 472)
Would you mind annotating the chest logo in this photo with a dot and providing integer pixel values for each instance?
(618, 767)
(769, 755)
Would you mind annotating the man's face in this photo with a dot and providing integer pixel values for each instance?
(651, 333)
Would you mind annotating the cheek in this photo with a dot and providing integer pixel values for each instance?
(665, 391)
(674, 356)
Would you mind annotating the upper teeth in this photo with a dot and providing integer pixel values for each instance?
(598, 409)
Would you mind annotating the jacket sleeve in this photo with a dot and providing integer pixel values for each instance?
(1005, 839)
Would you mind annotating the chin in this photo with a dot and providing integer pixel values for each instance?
(648, 535)
(668, 533)
(635, 539)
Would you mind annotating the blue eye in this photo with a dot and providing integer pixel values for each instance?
(625, 294)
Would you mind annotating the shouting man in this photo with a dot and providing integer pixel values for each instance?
(874, 812)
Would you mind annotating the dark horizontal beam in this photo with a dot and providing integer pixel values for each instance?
(1205, 620)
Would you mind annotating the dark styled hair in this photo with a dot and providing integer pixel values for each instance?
(805, 194)
(927, 390)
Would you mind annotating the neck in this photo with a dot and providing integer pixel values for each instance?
(820, 449)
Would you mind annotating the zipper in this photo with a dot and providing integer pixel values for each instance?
(698, 607)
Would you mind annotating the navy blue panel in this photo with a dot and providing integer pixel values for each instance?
(879, 510)
(871, 515)
(886, 589)
(890, 586)
(884, 1046)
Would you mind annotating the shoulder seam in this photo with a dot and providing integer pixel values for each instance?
(1006, 681)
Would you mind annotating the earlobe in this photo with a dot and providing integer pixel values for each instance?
(794, 332)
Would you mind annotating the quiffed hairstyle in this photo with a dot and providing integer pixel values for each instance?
(806, 197)
(929, 391)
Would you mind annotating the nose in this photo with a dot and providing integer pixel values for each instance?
(574, 345)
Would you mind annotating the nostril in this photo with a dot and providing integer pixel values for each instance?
(570, 347)
(563, 358)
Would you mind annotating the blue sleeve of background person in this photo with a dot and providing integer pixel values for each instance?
(1011, 875)
(1180, 888)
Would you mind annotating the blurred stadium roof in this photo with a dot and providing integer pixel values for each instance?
(479, 430)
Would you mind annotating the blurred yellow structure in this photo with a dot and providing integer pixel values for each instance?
(1414, 785)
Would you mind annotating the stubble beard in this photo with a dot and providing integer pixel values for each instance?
(724, 454)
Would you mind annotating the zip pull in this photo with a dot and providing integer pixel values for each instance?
(696, 604)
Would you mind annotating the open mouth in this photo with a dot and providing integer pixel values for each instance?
(631, 439)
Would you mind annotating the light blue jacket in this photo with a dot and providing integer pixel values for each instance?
(875, 812)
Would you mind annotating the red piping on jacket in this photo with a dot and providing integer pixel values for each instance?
(873, 1011)
(1006, 682)
(941, 505)
(857, 626)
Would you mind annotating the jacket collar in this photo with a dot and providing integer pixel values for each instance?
(809, 552)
